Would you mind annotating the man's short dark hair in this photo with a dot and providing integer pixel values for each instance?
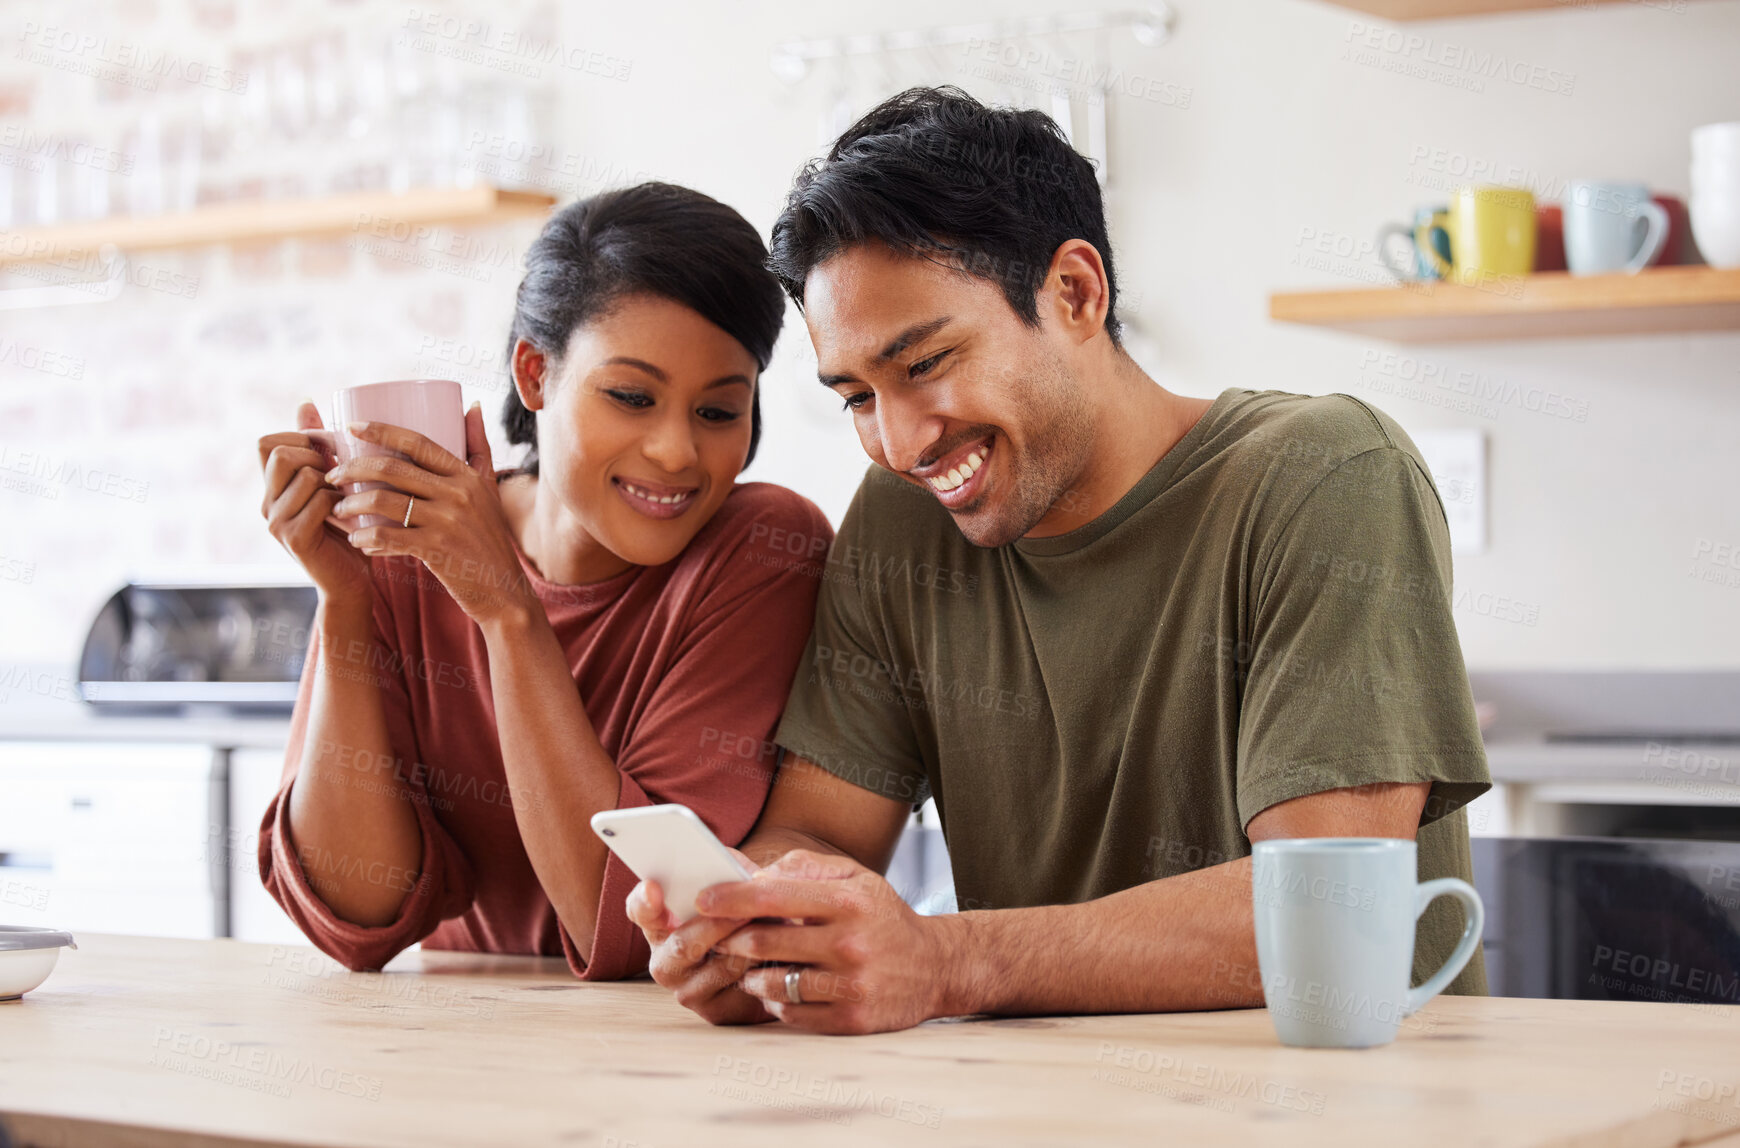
(933, 173)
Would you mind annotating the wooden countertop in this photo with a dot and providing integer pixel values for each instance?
(149, 1042)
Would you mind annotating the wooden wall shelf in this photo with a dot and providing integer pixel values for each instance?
(1405, 10)
(1546, 306)
(362, 213)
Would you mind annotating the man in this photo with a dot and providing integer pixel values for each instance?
(1153, 629)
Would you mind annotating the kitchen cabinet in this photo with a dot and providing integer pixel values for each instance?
(110, 836)
(254, 915)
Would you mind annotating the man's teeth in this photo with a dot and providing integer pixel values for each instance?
(960, 473)
(642, 492)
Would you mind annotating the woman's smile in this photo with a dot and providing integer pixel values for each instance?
(655, 499)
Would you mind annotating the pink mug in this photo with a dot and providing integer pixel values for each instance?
(434, 408)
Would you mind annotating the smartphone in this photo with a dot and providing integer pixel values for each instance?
(671, 845)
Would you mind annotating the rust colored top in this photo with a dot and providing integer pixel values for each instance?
(683, 669)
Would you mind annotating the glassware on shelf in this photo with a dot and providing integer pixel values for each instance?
(144, 184)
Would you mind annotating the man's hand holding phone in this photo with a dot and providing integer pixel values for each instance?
(676, 856)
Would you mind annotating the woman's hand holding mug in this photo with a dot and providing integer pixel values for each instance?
(445, 512)
(298, 509)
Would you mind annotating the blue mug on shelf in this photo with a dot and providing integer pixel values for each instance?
(1427, 233)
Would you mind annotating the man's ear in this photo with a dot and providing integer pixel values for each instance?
(1075, 289)
(530, 371)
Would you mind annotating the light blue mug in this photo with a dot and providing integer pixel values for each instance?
(1335, 921)
(1611, 227)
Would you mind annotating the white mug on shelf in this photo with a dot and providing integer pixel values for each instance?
(1715, 202)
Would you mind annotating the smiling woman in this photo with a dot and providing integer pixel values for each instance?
(524, 648)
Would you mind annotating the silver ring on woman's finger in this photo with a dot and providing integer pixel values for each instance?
(408, 507)
(793, 995)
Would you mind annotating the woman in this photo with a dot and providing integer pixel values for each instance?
(605, 627)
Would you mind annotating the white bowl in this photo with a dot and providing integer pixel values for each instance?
(27, 956)
(1717, 232)
(1716, 177)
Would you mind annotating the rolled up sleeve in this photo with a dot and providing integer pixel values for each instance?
(440, 888)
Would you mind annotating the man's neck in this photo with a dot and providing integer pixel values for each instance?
(1136, 422)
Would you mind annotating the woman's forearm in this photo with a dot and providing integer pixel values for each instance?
(355, 832)
(558, 773)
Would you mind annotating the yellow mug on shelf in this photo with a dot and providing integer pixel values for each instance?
(1492, 234)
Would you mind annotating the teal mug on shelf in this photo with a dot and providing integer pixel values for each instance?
(1427, 233)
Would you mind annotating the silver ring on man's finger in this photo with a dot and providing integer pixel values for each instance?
(793, 995)
(408, 507)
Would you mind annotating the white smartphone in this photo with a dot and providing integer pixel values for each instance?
(671, 845)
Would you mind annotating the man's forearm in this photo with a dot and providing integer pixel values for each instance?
(768, 844)
(1182, 944)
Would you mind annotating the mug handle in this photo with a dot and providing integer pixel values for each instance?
(1429, 250)
(1476, 921)
(1653, 239)
(1386, 233)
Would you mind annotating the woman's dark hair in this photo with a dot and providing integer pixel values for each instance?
(933, 173)
(653, 239)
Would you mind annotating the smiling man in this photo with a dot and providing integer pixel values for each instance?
(1171, 626)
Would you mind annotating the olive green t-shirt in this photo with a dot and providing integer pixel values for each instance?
(1265, 615)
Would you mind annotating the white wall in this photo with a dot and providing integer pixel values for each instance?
(1594, 523)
